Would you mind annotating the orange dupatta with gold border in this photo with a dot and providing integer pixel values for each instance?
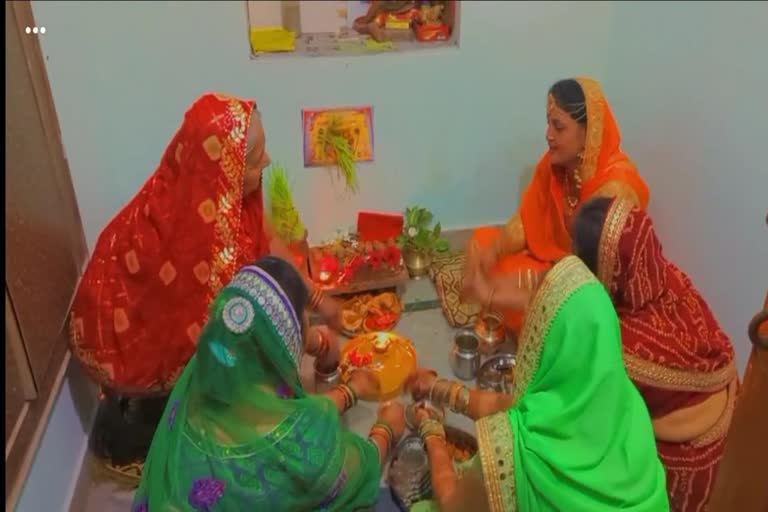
(543, 205)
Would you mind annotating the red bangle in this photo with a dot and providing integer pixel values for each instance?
(316, 299)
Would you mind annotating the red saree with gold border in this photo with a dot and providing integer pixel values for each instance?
(143, 298)
(674, 350)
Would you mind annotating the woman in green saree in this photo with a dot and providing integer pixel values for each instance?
(575, 435)
(241, 434)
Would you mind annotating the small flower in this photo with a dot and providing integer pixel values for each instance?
(412, 231)
(393, 256)
(141, 506)
(172, 413)
(205, 493)
(284, 391)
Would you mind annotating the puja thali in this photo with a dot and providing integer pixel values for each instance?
(389, 356)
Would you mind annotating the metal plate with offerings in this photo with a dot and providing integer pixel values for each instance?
(388, 355)
(497, 373)
(369, 312)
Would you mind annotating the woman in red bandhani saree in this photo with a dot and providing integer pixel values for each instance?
(144, 296)
(674, 349)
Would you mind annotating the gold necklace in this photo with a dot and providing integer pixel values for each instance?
(573, 201)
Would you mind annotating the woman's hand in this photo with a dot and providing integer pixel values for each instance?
(478, 289)
(420, 414)
(330, 309)
(365, 384)
(419, 383)
(317, 337)
(393, 413)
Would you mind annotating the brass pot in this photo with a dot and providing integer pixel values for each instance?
(490, 331)
(417, 262)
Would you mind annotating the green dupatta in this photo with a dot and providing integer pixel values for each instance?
(240, 433)
(579, 437)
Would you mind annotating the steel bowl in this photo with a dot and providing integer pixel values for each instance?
(408, 475)
(494, 373)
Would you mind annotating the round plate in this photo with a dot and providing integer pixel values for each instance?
(391, 367)
(367, 325)
(497, 373)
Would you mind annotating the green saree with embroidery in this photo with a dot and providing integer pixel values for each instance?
(240, 433)
(579, 437)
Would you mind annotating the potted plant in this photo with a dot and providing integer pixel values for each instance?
(420, 240)
(284, 216)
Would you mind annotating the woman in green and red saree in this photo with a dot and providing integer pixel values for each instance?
(674, 349)
(157, 265)
(240, 433)
(575, 434)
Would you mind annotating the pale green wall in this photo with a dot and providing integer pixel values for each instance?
(454, 128)
(689, 84)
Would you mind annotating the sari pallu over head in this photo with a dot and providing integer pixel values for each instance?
(579, 437)
(144, 296)
(240, 432)
(543, 204)
(671, 340)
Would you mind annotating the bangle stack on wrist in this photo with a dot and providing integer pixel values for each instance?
(431, 428)
(453, 395)
(383, 431)
(350, 397)
(316, 299)
(323, 346)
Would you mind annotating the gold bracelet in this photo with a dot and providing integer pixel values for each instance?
(350, 397)
(442, 392)
(430, 427)
(452, 394)
(384, 433)
(462, 401)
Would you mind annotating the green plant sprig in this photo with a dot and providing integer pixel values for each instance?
(418, 233)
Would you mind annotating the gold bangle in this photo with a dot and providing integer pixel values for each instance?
(462, 401)
(384, 433)
(431, 427)
(452, 394)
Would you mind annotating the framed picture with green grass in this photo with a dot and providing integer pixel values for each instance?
(338, 137)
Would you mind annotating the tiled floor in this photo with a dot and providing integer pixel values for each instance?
(426, 328)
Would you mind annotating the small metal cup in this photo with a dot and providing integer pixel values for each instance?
(325, 380)
(465, 355)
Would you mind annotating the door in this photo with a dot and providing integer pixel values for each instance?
(44, 243)
(742, 479)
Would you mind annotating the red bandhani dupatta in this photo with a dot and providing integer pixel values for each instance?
(674, 348)
(144, 296)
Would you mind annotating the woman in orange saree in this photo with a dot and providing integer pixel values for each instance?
(144, 296)
(584, 160)
(674, 349)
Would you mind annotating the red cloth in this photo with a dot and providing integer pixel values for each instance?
(666, 323)
(378, 226)
(144, 296)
